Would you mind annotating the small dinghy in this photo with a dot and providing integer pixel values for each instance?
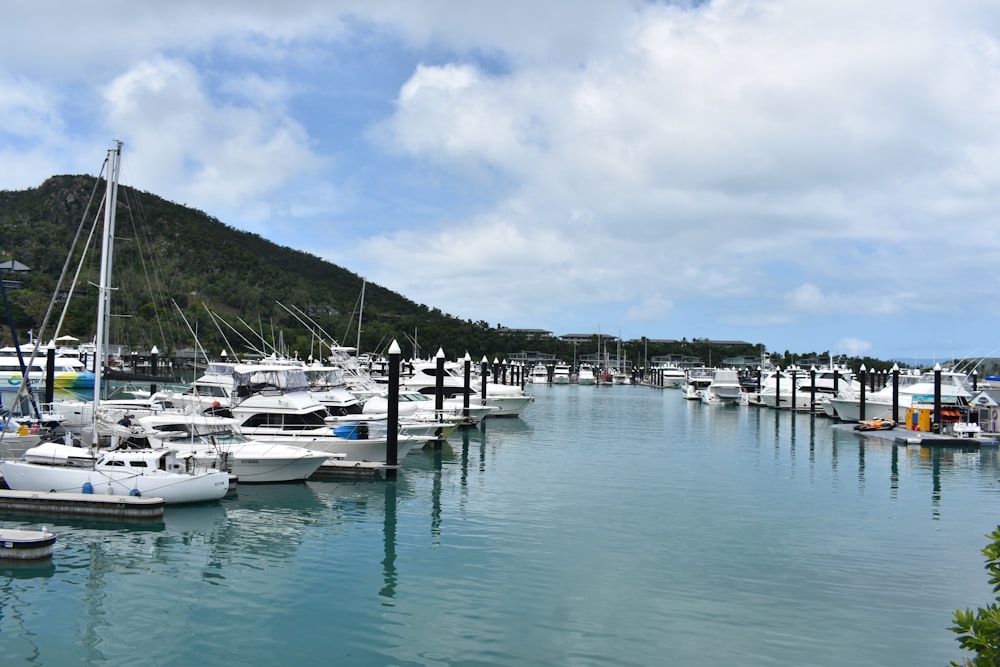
(875, 425)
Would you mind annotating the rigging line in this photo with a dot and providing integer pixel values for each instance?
(157, 271)
(194, 336)
(215, 319)
(141, 238)
(311, 329)
(83, 256)
(350, 321)
(317, 325)
(246, 341)
(25, 382)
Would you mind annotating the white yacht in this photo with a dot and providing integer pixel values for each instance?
(585, 375)
(561, 374)
(210, 439)
(68, 371)
(672, 376)
(507, 399)
(914, 389)
(724, 389)
(696, 381)
(539, 374)
(415, 405)
(271, 404)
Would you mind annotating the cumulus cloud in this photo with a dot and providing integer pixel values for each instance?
(741, 168)
(218, 156)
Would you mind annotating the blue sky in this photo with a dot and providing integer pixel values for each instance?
(803, 174)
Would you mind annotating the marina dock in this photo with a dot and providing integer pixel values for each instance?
(81, 504)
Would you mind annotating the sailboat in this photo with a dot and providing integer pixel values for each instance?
(157, 472)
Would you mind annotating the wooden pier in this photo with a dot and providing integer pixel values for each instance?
(336, 470)
(81, 504)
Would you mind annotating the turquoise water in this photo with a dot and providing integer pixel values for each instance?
(606, 526)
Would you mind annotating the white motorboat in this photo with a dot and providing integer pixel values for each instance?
(68, 372)
(724, 388)
(415, 405)
(672, 376)
(913, 389)
(586, 375)
(539, 374)
(211, 439)
(271, 405)
(696, 381)
(507, 399)
(561, 374)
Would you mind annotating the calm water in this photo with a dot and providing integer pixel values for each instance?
(606, 526)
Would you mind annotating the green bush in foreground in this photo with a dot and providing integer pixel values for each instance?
(980, 632)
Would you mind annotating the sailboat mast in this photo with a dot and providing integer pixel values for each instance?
(104, 284)
(361, 315)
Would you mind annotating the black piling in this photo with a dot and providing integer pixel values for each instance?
(392, 430)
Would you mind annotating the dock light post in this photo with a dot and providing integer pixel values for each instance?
(503, 370)
(392, 430)
(468, 375)
(937, 398)
(895, 392)
(154, 356)
(496, 370)
(861, 402)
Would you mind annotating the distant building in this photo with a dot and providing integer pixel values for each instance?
(13, 266)
(527, 333)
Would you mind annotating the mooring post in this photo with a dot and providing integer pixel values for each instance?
(812, 396)
(50, 374)
(795, 371)
(439, 394)
(777, 387)
(154, 360)
(937, 398)
(861, 402)
(483, 370)
(496, 371)
(392, 430)
(895, 392)
(468, 387)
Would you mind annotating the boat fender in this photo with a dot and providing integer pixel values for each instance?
(87, 488)
(135, 492)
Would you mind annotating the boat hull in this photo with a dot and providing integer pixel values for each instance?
(174, 488)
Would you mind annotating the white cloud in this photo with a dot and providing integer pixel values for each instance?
(750, 166)
(853, 347)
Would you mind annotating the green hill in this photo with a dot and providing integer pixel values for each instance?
(168, 254)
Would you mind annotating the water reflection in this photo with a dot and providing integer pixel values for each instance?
(388, 590)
